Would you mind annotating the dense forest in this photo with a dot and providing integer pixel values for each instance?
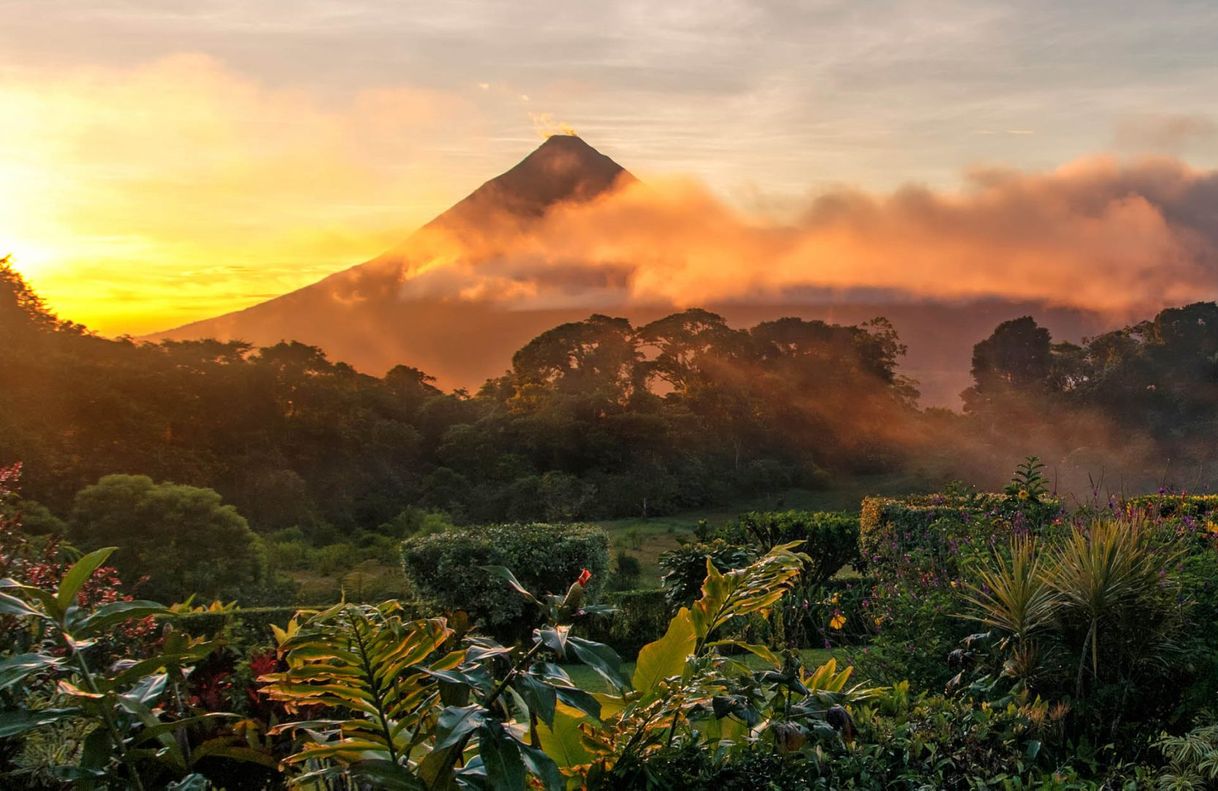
(595, 418)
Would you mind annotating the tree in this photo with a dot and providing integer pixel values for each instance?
(183, 539)
(1017, 357)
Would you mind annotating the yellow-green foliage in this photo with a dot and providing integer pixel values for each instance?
(1174, 504)
(937, 525)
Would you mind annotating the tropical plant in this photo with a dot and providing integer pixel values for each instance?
(409, 707)
(1028, 482)
(1192, 759)
(1112, 586)
(133, 710)
(685, 567)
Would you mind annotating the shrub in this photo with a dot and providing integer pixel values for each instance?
(626, 570)
(830, 538)
(638, 618)
(183, 539)
(444, 571)
(938, 526)
(685, 567)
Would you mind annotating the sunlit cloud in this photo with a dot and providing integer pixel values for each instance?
(1098, 234)
(139, 197)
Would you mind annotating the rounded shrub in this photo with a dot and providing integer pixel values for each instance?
(444, 570)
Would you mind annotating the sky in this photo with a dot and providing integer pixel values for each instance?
(162, 162)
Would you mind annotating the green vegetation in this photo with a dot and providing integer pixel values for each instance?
(443, 569)
(1093, 667)
(744, 578)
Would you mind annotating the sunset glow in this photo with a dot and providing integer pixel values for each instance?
(159, 167)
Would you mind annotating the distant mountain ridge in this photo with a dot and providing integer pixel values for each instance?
(371, 317)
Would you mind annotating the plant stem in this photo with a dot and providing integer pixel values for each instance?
(108, 719)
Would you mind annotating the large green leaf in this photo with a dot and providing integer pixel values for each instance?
(456, 722)
(117, 612)
(11, 605)
(540, 696)
(563, 742)
(15, 669)
(13, 723)
(601, 658)
(667, 656)
(501, 758)
(507, 576)
(542, 767)
(79, 574)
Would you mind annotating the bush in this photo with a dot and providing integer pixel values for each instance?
(685, 567)
(938, 526)
(626, 570)
(444, 571)
(919, 548)
(638, 618)
(830, 538)
(183, 539)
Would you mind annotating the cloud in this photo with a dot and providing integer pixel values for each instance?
(159, 179)
(1164, 133)
(1100, 233)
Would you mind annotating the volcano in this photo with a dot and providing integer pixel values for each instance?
(415, 305)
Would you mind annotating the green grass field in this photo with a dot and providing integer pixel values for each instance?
(648, 538)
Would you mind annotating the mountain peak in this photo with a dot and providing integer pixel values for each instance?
(563, 168)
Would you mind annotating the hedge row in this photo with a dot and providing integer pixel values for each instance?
(936, 526)
(1170, 505)
(444, 569)
(639, 617)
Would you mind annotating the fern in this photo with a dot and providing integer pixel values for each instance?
(369, 667)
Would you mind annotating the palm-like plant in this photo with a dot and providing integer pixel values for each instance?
(1107, 578)
(1013, 596)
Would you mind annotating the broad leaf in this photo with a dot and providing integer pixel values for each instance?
(13, 723)
(601, 658)
(455, 723)
(507, 576)
(562, 741)
(667, 656)
(79, 574)
(501, 758)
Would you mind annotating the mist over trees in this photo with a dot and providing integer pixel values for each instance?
(594, 418)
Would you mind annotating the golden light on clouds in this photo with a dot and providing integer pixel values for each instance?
(136, 199)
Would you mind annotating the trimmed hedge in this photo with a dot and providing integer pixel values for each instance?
(830, 538)
(639, 617)
(1171, 505)
(443, 569)
(936, 525)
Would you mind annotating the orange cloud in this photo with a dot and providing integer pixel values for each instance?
(136, 198)
(1097, 234)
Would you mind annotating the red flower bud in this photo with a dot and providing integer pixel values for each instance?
(584, 576)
